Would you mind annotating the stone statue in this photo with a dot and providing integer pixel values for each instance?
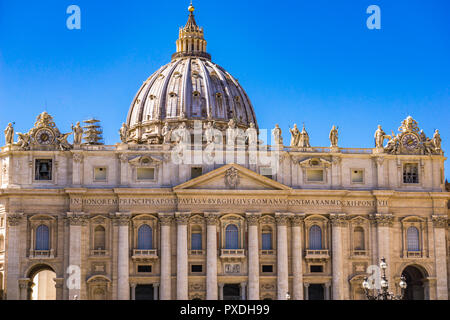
(123, 133)
(276, 132)
(77, 134)
(334, 136)
(209, 133)
(295, 136)
(9, 134)
(24, 141)
(231, 133)
(182, 134)
(304, 139)
(423, 136)
(166, 133)
(437, 141)
(380, 135)
(63, 144)
(252, 135)
(392, 145)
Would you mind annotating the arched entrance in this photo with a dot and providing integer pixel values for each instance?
(42, 285)
(415, 281)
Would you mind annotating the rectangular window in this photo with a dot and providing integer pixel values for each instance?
(267, 241)
(43, 170)
(145, 174)
(196, 172)
(316, 269)
(144, 269)
(410, 173)
(267, 268)
(314, 175)
(196, 268)
(266, 172)
(357, 176)
(100, 174)
(196, 241)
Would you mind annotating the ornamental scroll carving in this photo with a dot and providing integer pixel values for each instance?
(382, 220)
(14, 219)
(182, 218)
(76, 218)
(282, 219)
(439, 221)
(297, 220)
(211, 218)
(165, 219)
(253, 219)
(338, 219)
(122, 218)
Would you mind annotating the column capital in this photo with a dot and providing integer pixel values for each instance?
(252, 218)
(306, 284)
(165, 219)
(182, 218)
(14, 218)
(76, 218)
(382, 219)
(297, 219)
(282, 218)
(59, 282)
(122, 218)
(24, 283)
(338, 219)
(212, 218)
(439, 221)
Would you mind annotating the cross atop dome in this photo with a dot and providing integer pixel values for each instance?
(191, 41)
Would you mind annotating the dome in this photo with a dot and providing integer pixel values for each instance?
(189, 88)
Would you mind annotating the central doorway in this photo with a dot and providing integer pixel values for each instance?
(144, 292)
(42, 286)
(232, 292)
(316, 292)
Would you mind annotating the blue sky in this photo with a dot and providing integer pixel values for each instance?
(299, 61)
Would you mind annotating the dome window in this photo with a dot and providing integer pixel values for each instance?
(172, 95)
(196, 94)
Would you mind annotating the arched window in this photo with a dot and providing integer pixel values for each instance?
(196, 239)
(231, 237)
(145, 238)
(358, 238)
(266, 238)
(412, 236)
(42, 238)
(99, 238)
(315, 238)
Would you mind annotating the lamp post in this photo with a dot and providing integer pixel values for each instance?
(373, 293)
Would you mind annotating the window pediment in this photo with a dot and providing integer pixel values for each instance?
(145, 161)
(315, 163)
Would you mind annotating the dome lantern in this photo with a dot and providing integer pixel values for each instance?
(191, 41)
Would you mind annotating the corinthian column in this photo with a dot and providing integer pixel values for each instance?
(12, 272)
(166, 269)
(122, 220)
(182, 255)
(440, 254)
(253, 256)
(383, 222)
(297, 264)
(211, 255)
(76, 220)
(337, 221)
(282, 256)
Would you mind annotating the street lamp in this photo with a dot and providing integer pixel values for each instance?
(383, 294)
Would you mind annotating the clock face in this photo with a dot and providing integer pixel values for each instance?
(45, 136)
(410, 141)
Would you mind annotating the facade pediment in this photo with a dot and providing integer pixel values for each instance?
(232, 177)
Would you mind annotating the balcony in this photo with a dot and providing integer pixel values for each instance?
(414, 254)
(267, 253)
(42, 254)
(197, 252)
(232, 254)
(317, 255)
(143, 255)
(99, 252)
(359, 253)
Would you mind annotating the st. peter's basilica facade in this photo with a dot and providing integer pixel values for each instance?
(192, 205)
